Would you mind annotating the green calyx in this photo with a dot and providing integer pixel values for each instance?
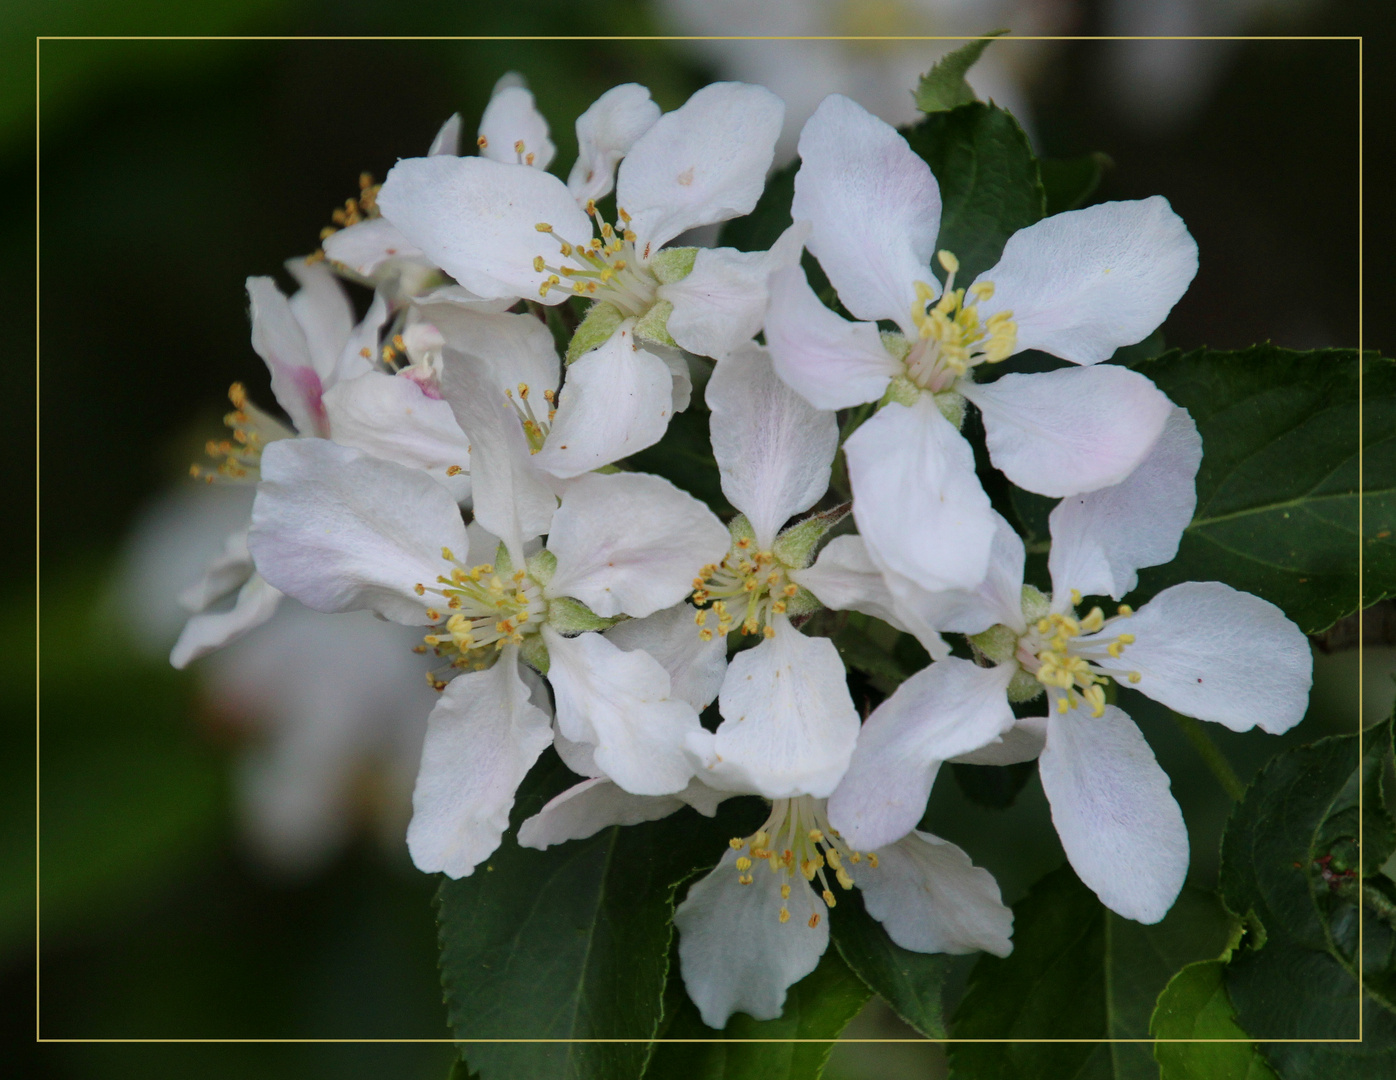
(568, 616)
(673, 264)
(595, 330)
(535, 654)
(795, 546)
(653, 325)
(542, 566)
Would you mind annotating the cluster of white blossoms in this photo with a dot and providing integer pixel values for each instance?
(454, 465)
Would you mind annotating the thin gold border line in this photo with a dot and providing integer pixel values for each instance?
(687, 37)
(39, 39)
(1361, 546)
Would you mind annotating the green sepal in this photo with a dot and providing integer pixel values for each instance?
(795, 546)
(673, 264)
(1024, 687)
(803, 603)
(1036, 604)
(944, 87)
(653, 325)
(998, 643)
(542, 566)
(534, 653)
(741, 529)
(899, 345)
(900, 391)
(503, 561)
(952, 407)
(595, 330)
(569, 616)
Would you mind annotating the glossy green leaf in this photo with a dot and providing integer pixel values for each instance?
(1195, 1005)
(944, 86)
(1069, 182)
(570, 943)
(819, 1006)
(989, 182)
(1078, 971)
(1290, 858)
(1277, 493)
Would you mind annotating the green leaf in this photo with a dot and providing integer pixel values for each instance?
(1078, 971)
(1277, 494)
(819, 1006)
(1069, 182)
(1195, 1005)
(570, 943)
(989, 181)
(769, 217)
(944, 86)
(994, 786)
(1289, 858)
(910, 982)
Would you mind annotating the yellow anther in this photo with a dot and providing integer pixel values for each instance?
(769, 631)
(784, 914)
(454, 470)
(1125, 639)
(816, 835)
(538, 263)
(518, 146)
(543, 227)
(948, 262)
(482, 142)
(433, 614)
(829, 898)
(872, 859)
(844, 879)
(743, 864)
(785, 891)
(814, 920)
(833, 856)
(1075, 597)
(761, 839)
(736, 843)
(1126, 610)
(1134, 676)
(419, 589)
(705, 635)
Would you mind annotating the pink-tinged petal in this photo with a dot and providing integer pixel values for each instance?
(1121, 828)
(617, 400)
(702, 163)
(631, 542)
(208, 631)
(476, 219)
(482, 738)
(947, 709)
(605, 134)
(735, 952)
(509, 119)
(931, 898)
(341, 530)
(621, 703)
(279, 339)
(830, 362)
(773, 448)
(721, 305)
(696, 667)
(1213, 652)
(1084, 283)
(1100, 540)
(874, 205)
(1072, 430)
(916, 498)
(364, 247)
(325, 314)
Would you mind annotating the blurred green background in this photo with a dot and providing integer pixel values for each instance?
(172, 170)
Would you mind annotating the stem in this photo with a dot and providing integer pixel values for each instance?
(1212, 755)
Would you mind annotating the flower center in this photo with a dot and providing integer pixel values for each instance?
(1070, 654)
(797, 836)
(752, 583)
(950, 337)
(482, 613)
(535, 430)
(239, 458)
(606, 267)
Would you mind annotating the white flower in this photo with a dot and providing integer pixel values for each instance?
(757, 923)
(341, 530)
(1078, 285)
(1201, 648)
(510, 233)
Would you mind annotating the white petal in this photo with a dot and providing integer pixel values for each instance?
(226, 571)
(279, 340)
(874, 205)
(447, 140)
(631, 543)
(340, 530)
(1072, 430)
(1121, 828)
(1101, 539)
(1022, 742)
(997, 599)
(696, 667)
(677, 363)
(605, 134)
(774, 449)
(578, 756)
(366, 246)
(1083, 283)
(355, 358)
(788, 724)
(844, 578)
(475, 219)
(392, 418)
(503, 349)
(829, 361)
(482, 738)
(621, 703)
(209, 631)
(597, 804)
(702, 163)
(947, 709)
(721, 304)
(324, 312)
(617, 400)
(512, 498)
(1213, 652)
(931, 898)
(735, 953)
(916, 498)
(512, 118)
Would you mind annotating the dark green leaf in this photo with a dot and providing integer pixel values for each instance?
(1069, 182)
(911, 982)
(869, 645)
(569, 943)
(1078, 971)
(768, 219)
(1290, 857)
(1195, 1005)
(685, 458)
(1277, 503)
(989, 182)
(944, 86)
(994, 786)
(819, 1006)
